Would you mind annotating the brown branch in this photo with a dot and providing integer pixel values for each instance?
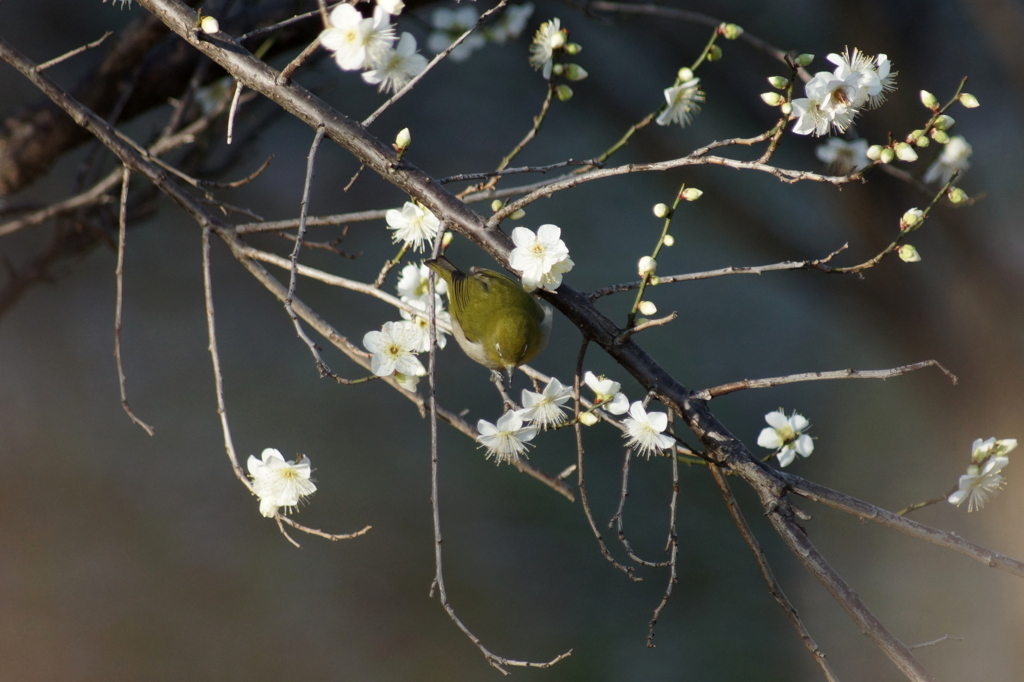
(119, 274)
(774, 588)
(74, 52)
(725, 389)
(869, 512)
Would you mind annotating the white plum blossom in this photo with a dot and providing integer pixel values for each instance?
(829, 103)
(397, 67)
(954, 157)
(606, 393)
(537, 255)
(357, 42)
(545, 409)
(394, 348)
(981, 450)
(644, 430)
(279, 483)
(449, 25)
(787, 436)
(980, 483)
(505, 441)
(422, 322)
(549, 37)
(876, 77)
(511, 23)
(843, 157)
(413, 225)
(414, 285)
(683, 103)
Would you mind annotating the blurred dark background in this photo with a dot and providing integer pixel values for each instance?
(125, 557)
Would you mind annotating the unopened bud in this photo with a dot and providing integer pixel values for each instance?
(669, 240)
(886, 155)
(805, 59)
(497, 205)
(517, 214)
(691, 194)
(402, 140)
(588, 419)
(730, 31)
(778, 82)
(908, 254)
(922, 141)
(928, 99)
(557, 69)
(563, 92)
(446, 241)
(575, 72)
(786, 108)
(646, 266)
(904, 152)
(685, 74)
(209, 25)
(940, 136)
(647, 308)
(573, 48)
(911, 219)
(874, 152)
(944, 122)
(956, 195)
(772, 99)
(914, 134)
(660, 210)
(715, 53)
(969, 100)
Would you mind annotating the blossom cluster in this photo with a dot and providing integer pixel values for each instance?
(396, 345)
(508, 439)
(368, 44)
(983, 478)
(541, 258)
(834, 98)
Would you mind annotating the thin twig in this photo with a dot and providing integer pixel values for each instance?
(725, 389)
(222, 412)
(286, 72)
(233, 109)
(119, 273)
(514, 171)
(732, 270)
(928, 503)
(433, 62)
(774, 588)
(293, 279)
(580, 477)
(672, 546)
(618, 518)
(624, 336)
(940, 640)
(314, 221)
(72, 53)
(869, 512)
(499, 662)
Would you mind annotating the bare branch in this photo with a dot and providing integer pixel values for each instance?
(119, 274)
(774, 588)
(74, 52)
(725, 389)
(869, 512)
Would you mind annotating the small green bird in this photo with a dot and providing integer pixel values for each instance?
(495, 321)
